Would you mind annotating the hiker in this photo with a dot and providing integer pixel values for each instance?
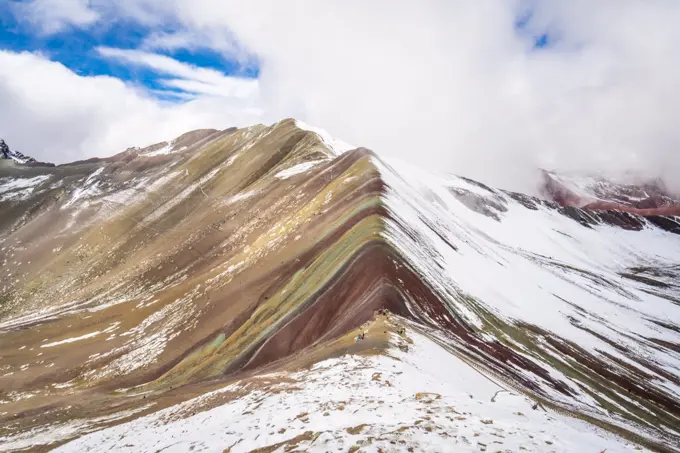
(363, 334)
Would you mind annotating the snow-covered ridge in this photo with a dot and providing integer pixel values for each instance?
(422, 400)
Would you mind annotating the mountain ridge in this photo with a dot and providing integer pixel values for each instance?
(182, 270)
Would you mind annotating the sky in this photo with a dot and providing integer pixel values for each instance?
(491, 89)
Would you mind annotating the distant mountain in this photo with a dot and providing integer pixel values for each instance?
(648, 198)
(18, 157)
(15, 156)
(209, 293)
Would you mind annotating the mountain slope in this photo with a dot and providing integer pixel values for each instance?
(402, 401)
(134, 283)
(587, 304)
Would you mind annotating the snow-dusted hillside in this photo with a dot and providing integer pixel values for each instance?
(204, 294)
(418, 398)
(590, 309)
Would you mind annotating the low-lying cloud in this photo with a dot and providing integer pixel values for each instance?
(52, 114)
(450, 85)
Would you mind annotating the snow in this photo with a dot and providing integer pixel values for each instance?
(240, 196)
(425, 399)
(540, 262)
(299, 168)
(169, 148)
(19, 157)
(19, 188)
(71, 340)
(600, 187)
(174, 201)
(57, 432)
(7, 184)
(581, 186)
(146, 340)
(334, 145)
(521, 265)
(89, 189)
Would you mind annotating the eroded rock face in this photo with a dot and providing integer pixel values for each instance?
(134, 282)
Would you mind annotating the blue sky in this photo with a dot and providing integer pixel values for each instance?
(541, 38)
(76, 48)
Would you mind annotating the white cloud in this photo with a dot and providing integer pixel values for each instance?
(171, 41)
(451, 85)
(52, 114)
(221, 41)
(191, 78)
(51, 16)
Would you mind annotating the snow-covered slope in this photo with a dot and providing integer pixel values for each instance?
(591, 310)
(209, 298)
(502, 250)
(418, 398)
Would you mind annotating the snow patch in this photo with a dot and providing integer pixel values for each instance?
(71, 340)
(240, 196)
(334, 145)
(19, 188)
(299, 168)
(169, 148)
(89, 189)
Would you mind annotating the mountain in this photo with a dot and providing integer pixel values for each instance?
(647, 198)
(17, 158)
(207, 294)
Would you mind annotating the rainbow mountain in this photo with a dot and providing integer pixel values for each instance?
(206, 294)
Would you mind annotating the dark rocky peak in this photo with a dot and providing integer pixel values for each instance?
(4, 149)
(16, 156)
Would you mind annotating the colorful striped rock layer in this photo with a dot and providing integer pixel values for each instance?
(206, 295)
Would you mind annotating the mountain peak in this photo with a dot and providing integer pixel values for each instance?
(18, 158)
